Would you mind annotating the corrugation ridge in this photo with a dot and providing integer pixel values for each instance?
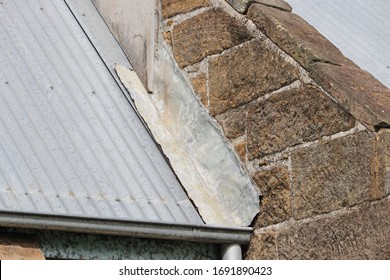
(162, 205)
(93, 109)
(137, 138)
(152, 165)
(26, 90)
(76, 147)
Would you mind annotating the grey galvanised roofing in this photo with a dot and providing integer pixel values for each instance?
(359, 28)
(70, 142)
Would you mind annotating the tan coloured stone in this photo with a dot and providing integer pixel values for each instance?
(205, 34)
(241, 150)
(200, 87)
(262, 247)
(17, 247)
(292, 117)
(334, 175)
(171, 8)
(295, 36)
(278, 4)
(233, 122)
(380, 166)
(275, 205)
(245, 74)
(357, 90)
(362, 233)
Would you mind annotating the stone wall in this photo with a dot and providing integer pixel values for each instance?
(309, 125)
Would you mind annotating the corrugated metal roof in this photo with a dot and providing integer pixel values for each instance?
(359, 28)
(70, 143)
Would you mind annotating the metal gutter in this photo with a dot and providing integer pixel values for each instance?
(118, 227)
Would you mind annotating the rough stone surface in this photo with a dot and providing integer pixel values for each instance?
(292, 117)
(275, 205)
(263, 247)
(239, 5)
(355, 89)
(199, 84)
(246, 73)
(333, 175)
(171, 8)
(362, 233)
(205, 34)
(381, 164)
(233, 122)
(14, 247)
(279, 4)
(295, 36)
(241, 150)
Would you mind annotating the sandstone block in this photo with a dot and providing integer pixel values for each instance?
(278, 4)
(200, 87)
(241, 150)
(205, 34)
(17, 247)
(383, 153)
(333, 175)
(239, 5)
(295, 36)
(263, 247)
(233, 122)
(355, 89)
(362, 233)
(245, 74)
(275, 205)
(292, 117)
(171, 8)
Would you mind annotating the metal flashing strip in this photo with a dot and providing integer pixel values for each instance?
(118, 227)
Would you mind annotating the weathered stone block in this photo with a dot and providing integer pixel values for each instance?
(16, 247)
(381, 164)
(171, 8)
(241, 6)
(263, 247)
(278, 4)
(200, 87)
(205, 34)
(233, 122)
(246, 73)
(292, 117)
(333, 175)
(357, 90)
(295, 36)
(275, 205)
(241, 150)
(362, 233)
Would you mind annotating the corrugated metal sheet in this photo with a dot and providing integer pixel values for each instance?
(359, 28)
(70, 143)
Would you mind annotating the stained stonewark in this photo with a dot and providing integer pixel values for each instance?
(171, 8)
(245, 74)
(275, 206)
(292, 117)
(334, 175)
(205, 34)
(362, 233)
(295, 36)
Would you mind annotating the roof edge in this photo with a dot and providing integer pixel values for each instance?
(136, 229)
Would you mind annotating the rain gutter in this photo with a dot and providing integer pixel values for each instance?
(136, 229)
